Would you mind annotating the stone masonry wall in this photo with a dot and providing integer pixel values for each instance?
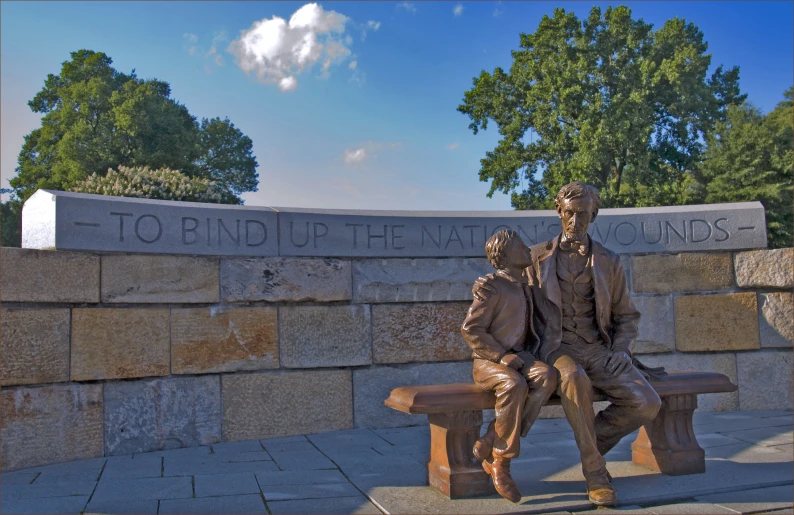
(117, 354)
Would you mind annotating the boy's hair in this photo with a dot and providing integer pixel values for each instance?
(496, 248)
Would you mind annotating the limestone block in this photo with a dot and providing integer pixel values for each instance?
(682, 272)
(406, 333)
(720, 362)
(657, 325)
(117, 343)
(324, 336)
(372, 386)
(416, 280)
(285, 280)
(777, 319)
(765, 268)
(51, 424)
(35, 346)
(716, 322)
(151, 415)
(765, 380)
(223, 339)
(30, 275)
(142, 278)
(286, 403)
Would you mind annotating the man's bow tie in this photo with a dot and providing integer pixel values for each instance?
(574, 246)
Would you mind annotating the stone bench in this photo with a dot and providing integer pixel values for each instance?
(667, 444)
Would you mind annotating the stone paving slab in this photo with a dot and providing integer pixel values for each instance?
(765, 499)
(225, 484)
(18, 477)
(310, 459)
(142, 466)
(132, 506)
(143, 488)
(340, 505)
(690, 508)
(731, 425)
(72, 504)
(315, 491)
(61, 489)
(299, 477)
(766, 436)
(237, 447)
(227, 504)
(212, 465)
(246, 456)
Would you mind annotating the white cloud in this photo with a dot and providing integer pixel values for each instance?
(367, 151)
(411, 8)
(370, 25)
(497, 12)
(190, 37)
(277, 51)
(453, 146)
(355, 156)
(211, 57)
(352, 65)
(458, 10)
(190, 40)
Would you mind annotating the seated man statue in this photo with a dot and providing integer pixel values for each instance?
(586, 322)
(498, 329)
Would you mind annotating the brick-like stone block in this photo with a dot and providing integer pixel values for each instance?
(777, 319)
(406, 333)
(286, 403)
(163, 279)
(688, 272)
(416, 280)
(30, 275)
(51, 424)
(324, 336)
(35, 346)
(373, 385)
(117, 343)
(285, 280)
(151, 415)
(720, 362)
(657, 325)
(716, 322)
(765, 268)
(223, 339)
(765, 380)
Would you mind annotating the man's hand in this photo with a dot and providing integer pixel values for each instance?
(512, 361)
(617, 363)
(483, 288)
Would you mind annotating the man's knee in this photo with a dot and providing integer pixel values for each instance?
(546, 378)
(649, 405)
(514, 386)
(574, 377)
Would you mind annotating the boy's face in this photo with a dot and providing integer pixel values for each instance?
(518, 254)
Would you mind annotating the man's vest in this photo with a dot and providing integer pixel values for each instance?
(575, 276)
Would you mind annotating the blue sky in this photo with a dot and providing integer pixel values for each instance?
(382, 133)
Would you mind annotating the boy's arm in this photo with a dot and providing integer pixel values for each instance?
(475, 328)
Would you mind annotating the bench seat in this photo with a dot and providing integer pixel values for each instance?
(667, 444)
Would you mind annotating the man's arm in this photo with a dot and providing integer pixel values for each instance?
(625, 319)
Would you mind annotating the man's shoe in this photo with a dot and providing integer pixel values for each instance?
(600, 491)
(499, 470)
(484, 446)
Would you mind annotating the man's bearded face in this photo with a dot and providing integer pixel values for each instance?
(576, 215)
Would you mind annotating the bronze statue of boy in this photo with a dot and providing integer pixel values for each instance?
(499, 331)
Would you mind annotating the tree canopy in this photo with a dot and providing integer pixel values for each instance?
(97, 118)
(606, 100)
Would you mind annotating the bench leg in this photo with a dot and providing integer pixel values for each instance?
(453, 470)
(668, 443)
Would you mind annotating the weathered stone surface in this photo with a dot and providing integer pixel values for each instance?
(51, 424)
(286, 403)
(407, 333)
(416, 280)
(721, 362)
(285, 280)
(141, 278)
(79, 221)
(765, 380)
(324, 336)
(372, 386)
(765, 268)
(151, 415)
(223, 339)
(716, 322)
(657, 325)
(35, 346)
(682, 272)
(777, 319)
(116, 343)
(29, 275)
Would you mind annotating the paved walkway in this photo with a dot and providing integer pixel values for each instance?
(749, 470)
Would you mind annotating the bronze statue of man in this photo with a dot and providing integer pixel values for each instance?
(498, 330)
(586, 322)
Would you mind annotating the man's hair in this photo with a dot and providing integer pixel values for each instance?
(578, 189)
(496, 247)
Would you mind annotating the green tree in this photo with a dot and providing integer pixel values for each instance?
(608, 101)
(96, 118)
(10, 226)
(749, 157)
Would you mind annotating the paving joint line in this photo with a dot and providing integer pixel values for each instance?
(102, 471)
